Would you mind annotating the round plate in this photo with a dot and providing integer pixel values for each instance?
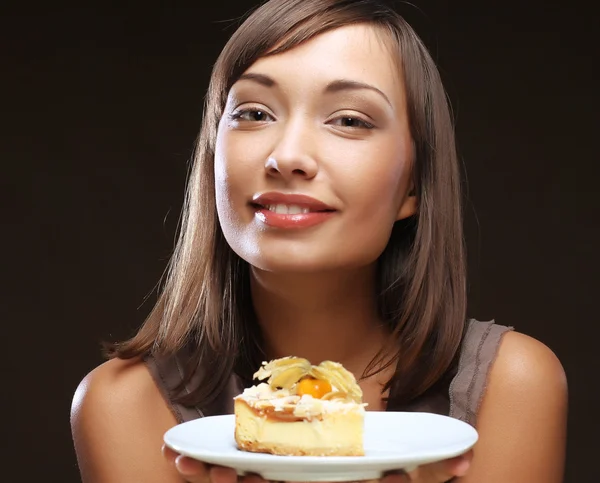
(392, 441)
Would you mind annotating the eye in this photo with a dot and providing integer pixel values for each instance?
(251, 115)
(352, 122)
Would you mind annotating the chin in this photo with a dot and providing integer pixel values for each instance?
(283, 264)
(306, 255)
(307, 261)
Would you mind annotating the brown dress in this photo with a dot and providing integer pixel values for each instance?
(459, 397)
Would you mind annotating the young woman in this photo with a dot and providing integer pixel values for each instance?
(323, 221)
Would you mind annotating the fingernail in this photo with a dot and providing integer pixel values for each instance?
(462, 468)
(180, 464)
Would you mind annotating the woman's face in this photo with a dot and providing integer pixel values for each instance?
(313, 155)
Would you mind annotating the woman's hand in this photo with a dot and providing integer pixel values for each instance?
(439, 472)
(196, 472)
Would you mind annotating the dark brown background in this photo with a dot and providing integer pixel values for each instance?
(100, 107)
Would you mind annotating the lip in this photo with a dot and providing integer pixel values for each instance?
(277, 198)
(319, 211)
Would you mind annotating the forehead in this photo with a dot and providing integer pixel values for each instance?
(359, 52)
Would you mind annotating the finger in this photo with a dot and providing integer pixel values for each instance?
(395, 477)
(460, 465)
(193, 471)
(442, 470)
(169, 454)
(252, 478)
(221, 474)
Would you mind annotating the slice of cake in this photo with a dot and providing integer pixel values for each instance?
(301, 410)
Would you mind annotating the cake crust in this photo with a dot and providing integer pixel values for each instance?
(281, 450)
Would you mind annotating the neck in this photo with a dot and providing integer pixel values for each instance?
(325, 316)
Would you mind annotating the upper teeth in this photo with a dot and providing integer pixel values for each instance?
(288, 209)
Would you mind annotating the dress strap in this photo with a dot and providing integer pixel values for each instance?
(478, 352)
(168, 373)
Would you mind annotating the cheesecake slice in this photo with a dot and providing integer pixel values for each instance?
(301, 410)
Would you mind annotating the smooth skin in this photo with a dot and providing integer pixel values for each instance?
(119, 418)
(285, 127)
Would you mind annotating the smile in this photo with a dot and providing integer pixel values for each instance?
(290, 211)
(290, 217)
(287, 209)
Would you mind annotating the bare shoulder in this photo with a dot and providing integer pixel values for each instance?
(113, 387)
(527, 366)
(522, 418)
(118, 418)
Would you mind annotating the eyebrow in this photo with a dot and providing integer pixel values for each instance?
(338, 85)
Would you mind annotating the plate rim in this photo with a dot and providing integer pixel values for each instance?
(314, 464)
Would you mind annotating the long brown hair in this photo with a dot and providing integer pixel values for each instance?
(204, 305)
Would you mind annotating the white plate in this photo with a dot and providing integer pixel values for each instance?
(392, 441)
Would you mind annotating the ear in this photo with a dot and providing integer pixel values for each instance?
(408, 207)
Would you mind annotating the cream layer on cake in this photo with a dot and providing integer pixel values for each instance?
(277, 422)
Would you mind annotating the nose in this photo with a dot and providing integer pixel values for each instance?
(291, 157)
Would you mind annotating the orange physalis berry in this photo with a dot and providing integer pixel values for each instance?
(313, 387)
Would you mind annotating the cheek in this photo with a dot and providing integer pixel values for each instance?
(374, 181)
(373, 186)
(222, 177)
(227, 187)
(235, 165)
(239, 156)
(231, 167)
